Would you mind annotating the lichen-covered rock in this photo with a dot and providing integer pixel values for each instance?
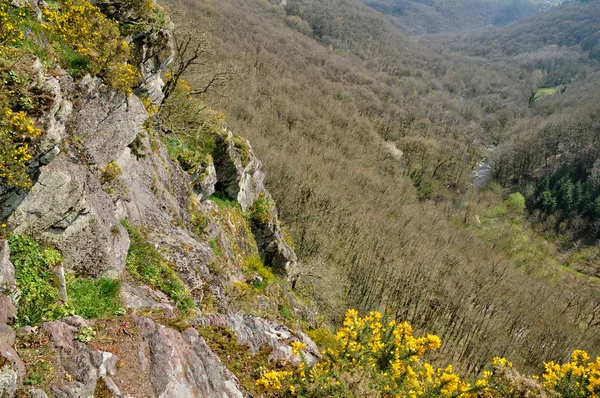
(240, 177)
(105, 121)
(85, 366)
(12, 370)
(272, 245)
(204, 181)
(182, 365)
(68, 209)
(8, 285)
(255, 332)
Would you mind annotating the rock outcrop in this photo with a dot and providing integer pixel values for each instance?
(98, 163)
(256, 332)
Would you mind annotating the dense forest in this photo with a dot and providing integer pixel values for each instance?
(370, 138)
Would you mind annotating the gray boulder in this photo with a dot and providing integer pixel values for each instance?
(68, 209)
(106, 121)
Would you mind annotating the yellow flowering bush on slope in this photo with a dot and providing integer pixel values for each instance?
(82, 26)
(578, 378)
(373, 357)
(74, 34)
(16, 133)
(10, 22)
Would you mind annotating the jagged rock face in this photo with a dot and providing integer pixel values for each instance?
(238, 176)
(182, 365)
(155, 53)
(271, 242)
(255, 332)
(204, 182)
(53, 124)
(11, 374)
(13, 369)
(152, 49)
(68, 209)
(105, 121)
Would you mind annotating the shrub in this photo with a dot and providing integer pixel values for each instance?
(578, 378)
(11, 21)
(373, 355)
(81, 26)
(191, 127)
(253, 263)
(17, 131)
(260, 211)
(516, 204)
(40, 300)
(109, 176)
(146, 264)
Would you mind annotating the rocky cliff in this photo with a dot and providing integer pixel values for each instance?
(111, 203)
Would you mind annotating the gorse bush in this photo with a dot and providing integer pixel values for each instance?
(11, 20)
(575, 379)
(82, 26)
(17, 131)
(372, 356)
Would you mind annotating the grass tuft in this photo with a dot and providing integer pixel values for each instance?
(146, 264)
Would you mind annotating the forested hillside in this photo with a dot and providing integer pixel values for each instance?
(325, 91)
(434, 16)
(573, 23)
(551, 156)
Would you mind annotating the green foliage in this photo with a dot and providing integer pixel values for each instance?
(17, 131)
(216, 247)
(285, 312)
(198, 220)
(38, 284)
(224, 201)
(86, 334)
(95, 38)
(191, 128)
(243, 150)
(253, 263)
(95, 298)
(570, 194)
(38, 373)
(145, 263)
(516, 204)
(260, 211)
(109, 177)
